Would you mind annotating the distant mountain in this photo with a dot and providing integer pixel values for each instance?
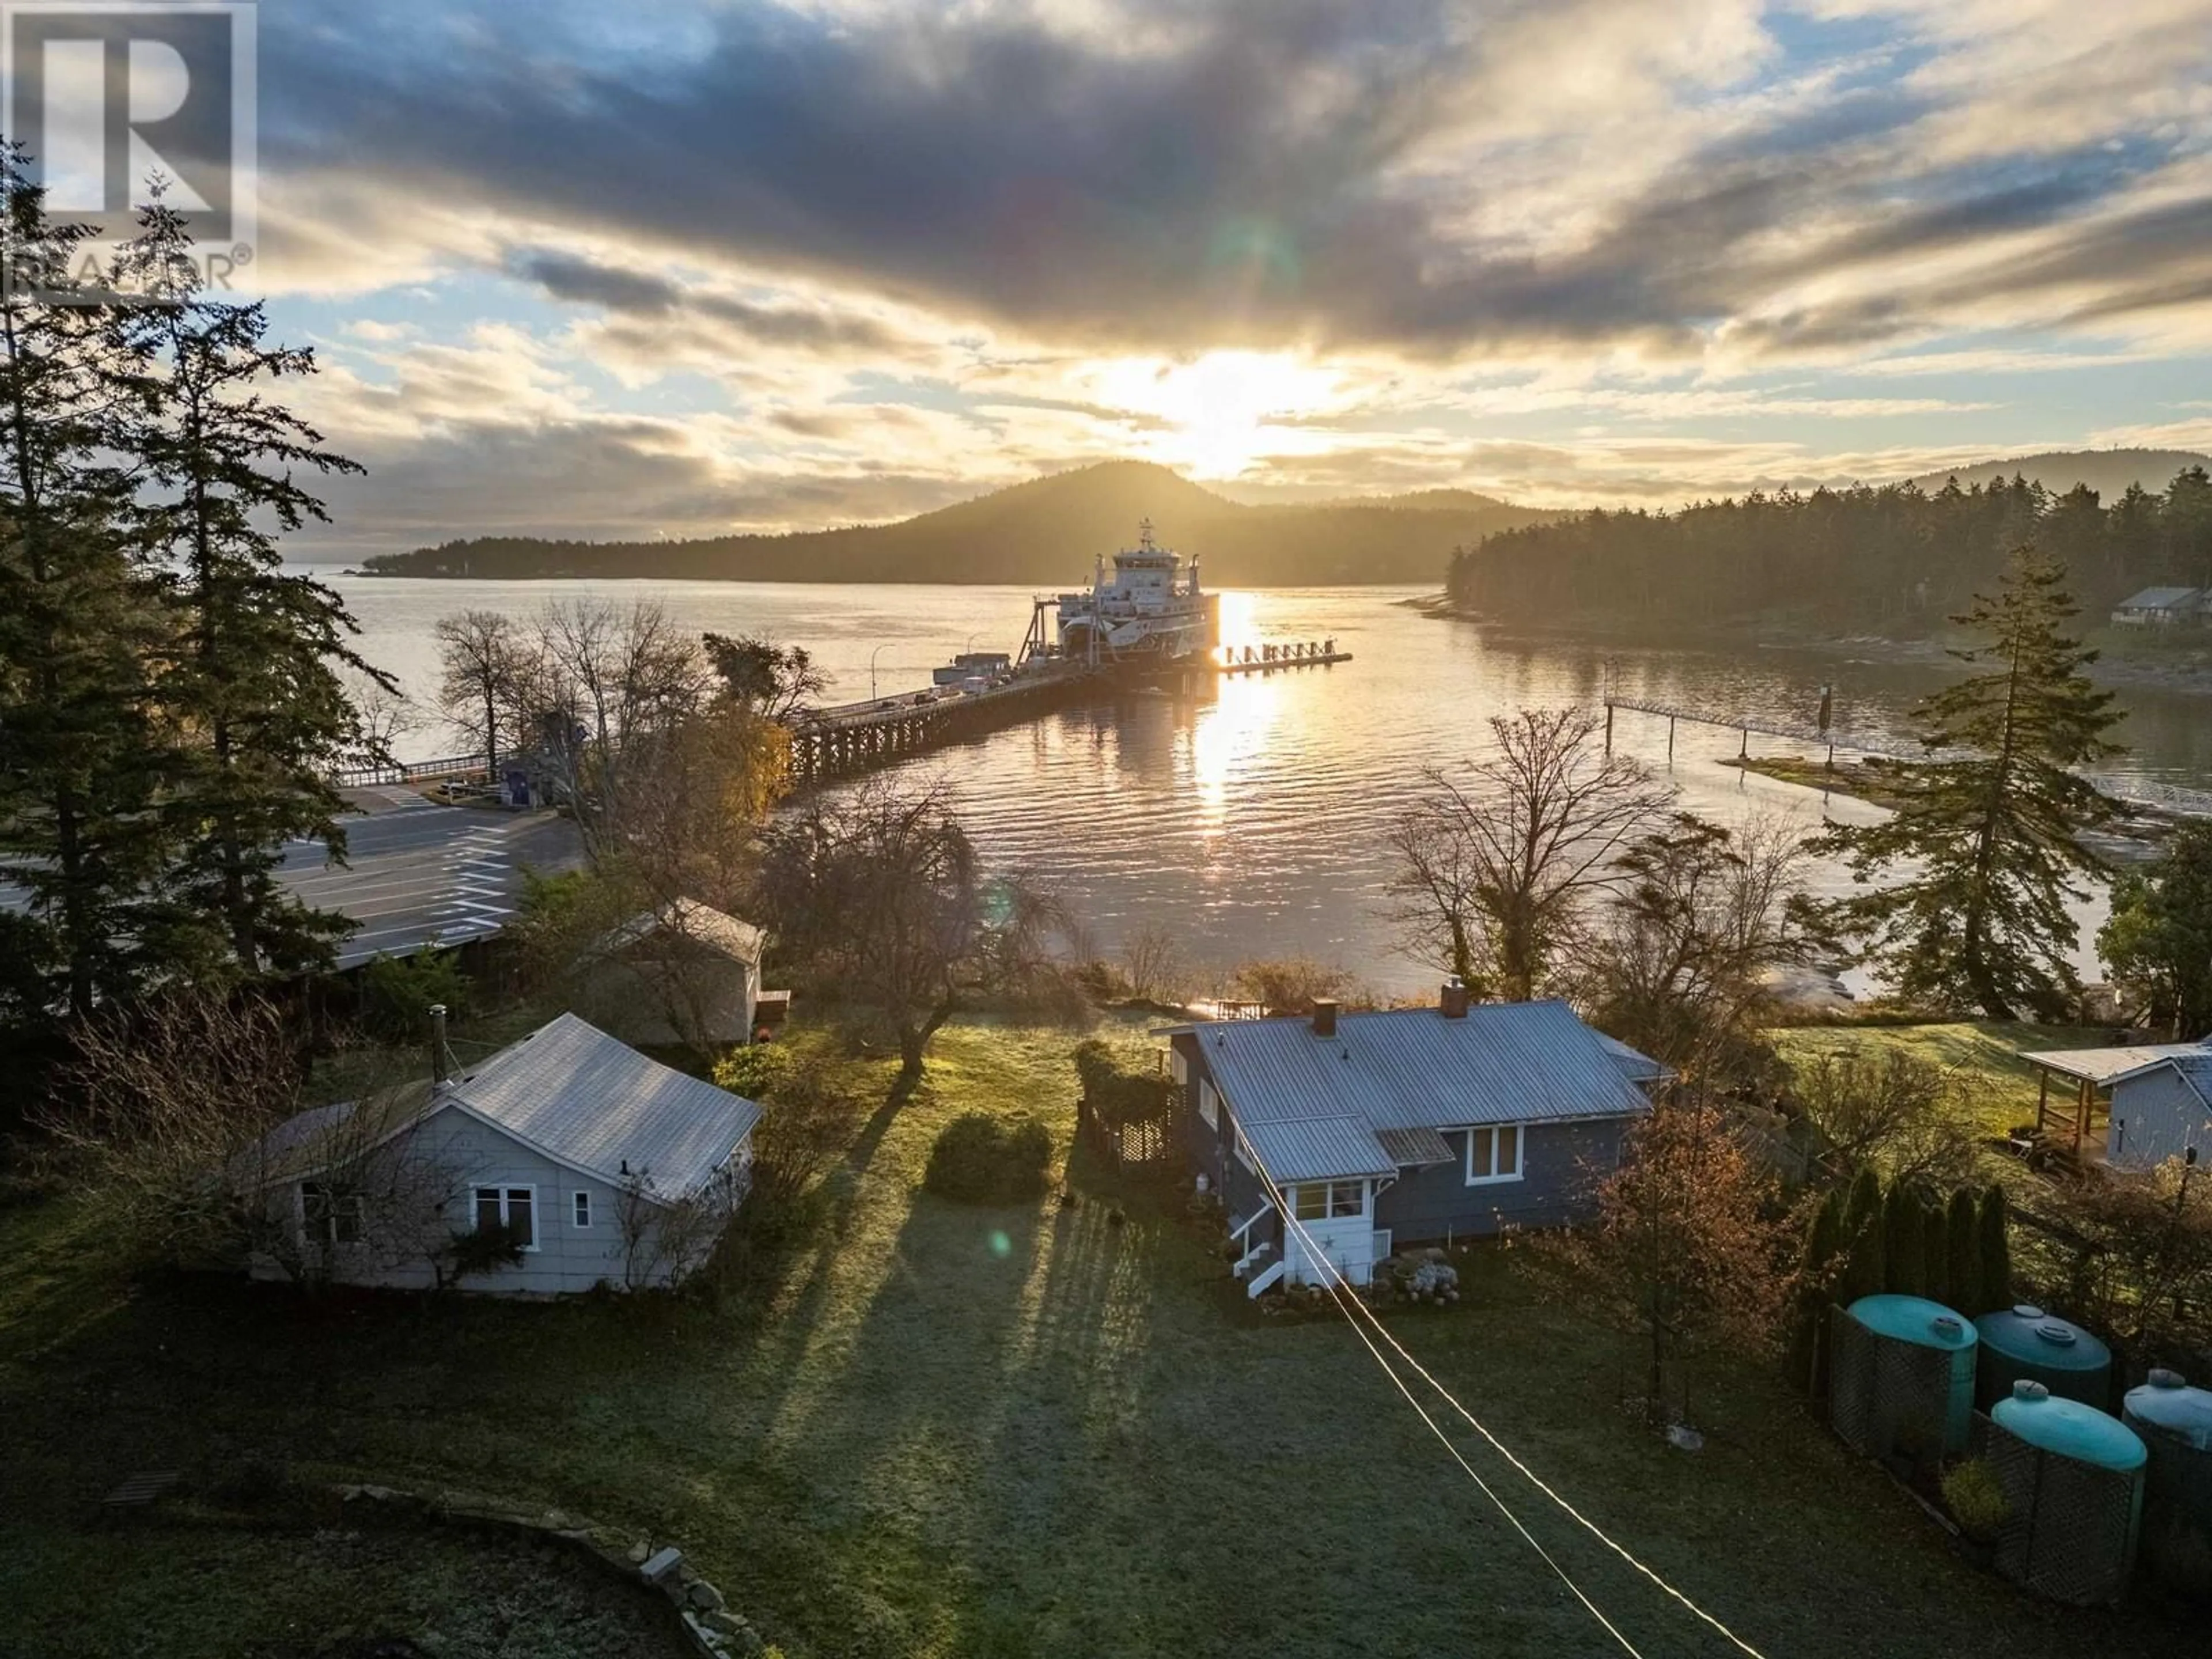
(1045, 532)
(2107, 472)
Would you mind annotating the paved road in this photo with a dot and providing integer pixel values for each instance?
(419, 873)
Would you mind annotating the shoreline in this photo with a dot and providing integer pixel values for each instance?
(2190, 676)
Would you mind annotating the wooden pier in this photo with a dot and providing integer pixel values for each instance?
(1274, 658)
(855, 736)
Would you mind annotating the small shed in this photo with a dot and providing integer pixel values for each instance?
(2133, 1106)
(685, 975)
(2160, 607)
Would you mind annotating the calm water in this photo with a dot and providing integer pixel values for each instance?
(1254, 822)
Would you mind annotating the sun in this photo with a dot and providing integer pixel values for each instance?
(1215, 416)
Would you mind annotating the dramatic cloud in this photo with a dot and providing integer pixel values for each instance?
(1294, 243)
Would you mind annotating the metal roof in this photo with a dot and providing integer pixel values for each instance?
(568, 1091)
(1414, 1068)
(589, 1100)
(2106, 1065)
(2161, 598)
(689, 924)
(1312, 1148)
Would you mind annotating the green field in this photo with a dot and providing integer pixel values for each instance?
(948, 1431)
(2000, 1088)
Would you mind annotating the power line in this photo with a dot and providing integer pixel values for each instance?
(1434, 1427)
(1335, 1277)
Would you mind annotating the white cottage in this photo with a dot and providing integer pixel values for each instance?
(598, 1165)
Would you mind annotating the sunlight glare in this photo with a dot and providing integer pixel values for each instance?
(1219, 409)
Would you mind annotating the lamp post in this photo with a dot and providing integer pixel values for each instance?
(871, 674)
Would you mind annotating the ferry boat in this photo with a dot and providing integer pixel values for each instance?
(1149, 613)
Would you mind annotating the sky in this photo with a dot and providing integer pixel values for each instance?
(683, 267)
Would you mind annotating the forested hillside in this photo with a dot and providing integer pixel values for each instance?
(1890, 557)
(1045, 532)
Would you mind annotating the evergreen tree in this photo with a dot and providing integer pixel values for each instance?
(1988, 838)
(82, 760)
(2159, 941)
(1807, 1363)
(1996, 1251)
(1935, 1254)
(1962, 1246)
(252, 682)
(1901, 1246)
(1865, 1273)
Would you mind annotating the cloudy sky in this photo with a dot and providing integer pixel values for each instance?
(669, 268)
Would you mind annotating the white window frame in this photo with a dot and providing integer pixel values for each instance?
(1179, 1065)
(580, 1210)
(1329, 1211)
(1209, 1106)
(507, 1189)
(1489, 1131)
(336, 1200)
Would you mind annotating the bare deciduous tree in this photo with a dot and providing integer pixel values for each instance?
(1497, 864)
(878, 894)
(666, 1239)
(1152, 962)
(186, 1125)
(482, 661)
(1910, 1119)
(1676, 962)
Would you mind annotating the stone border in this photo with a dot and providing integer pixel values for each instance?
(708, 1624)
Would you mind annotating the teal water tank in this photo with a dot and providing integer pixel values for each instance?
(1916, 1376)
(2025, 1344)
(2175, 1422)
(2073, 1479)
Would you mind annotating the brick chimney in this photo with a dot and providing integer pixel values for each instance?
(1452, 1005)
(1324, 1017)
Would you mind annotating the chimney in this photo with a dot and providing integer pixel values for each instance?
(1324, 1017)
(437, 1044)
(1452, 1005)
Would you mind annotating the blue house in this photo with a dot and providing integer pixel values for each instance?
(1404, 1126)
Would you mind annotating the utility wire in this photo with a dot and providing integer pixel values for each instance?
(1336, 1295)
(1336, 1278)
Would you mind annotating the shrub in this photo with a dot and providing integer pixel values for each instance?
(753, 1071)
(1990, 1222)
(810, 1115)
(1901, 1241)
(981, 1159)
(1964, 1246)
(1977, 1500)
(1122, 1090)
(397, 992)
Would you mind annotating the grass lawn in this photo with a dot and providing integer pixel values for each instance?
(953, 1432)
(2003, 1087)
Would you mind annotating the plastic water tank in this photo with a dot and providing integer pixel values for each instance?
(1904, 1391)
(2175, 1422)
(2025, 1344)
(2073, 1477)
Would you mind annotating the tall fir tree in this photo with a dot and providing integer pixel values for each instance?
(1986, 840)
(252, 681)
(83, 759)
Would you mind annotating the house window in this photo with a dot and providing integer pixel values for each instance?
(1493, 1153)
(1180, 1065)
(583, 1203)
(331, 1213)
(514, 1208)
(1326, 1200)
(1209, 1105)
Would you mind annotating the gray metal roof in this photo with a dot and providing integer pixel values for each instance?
(590, 1101)
(1311, 1148)
(2106, 1065)
(2161, 599)
(1412, 1068)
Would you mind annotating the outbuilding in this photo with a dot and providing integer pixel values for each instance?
(2161, 607)
(2154, 1101)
